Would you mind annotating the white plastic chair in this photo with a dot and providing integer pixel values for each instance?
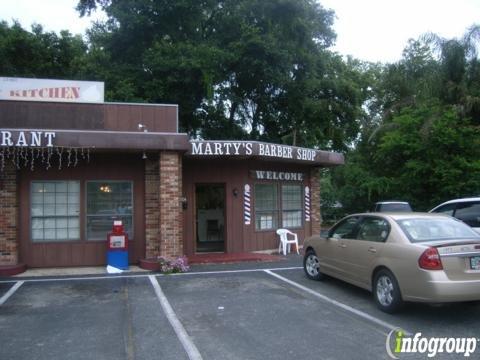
(284, 242)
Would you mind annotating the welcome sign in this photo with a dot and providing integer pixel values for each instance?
(51, 90)
(276, 175)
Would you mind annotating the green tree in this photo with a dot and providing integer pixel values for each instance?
(459, 70)
(421, 141)
(432, 154)
(40, 54)
(257, 69)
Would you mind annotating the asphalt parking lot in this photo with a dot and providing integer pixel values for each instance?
(249, 311)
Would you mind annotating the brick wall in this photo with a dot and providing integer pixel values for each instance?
(152, 208)
(171, 216)
(315, 201)
(163, 212)
(8, 216)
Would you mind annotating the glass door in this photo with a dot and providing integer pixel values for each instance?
(210, 217)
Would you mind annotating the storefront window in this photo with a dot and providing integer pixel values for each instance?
(266, 206)
(55, 211)
(291, 206)
(108, 201)
(268, 209)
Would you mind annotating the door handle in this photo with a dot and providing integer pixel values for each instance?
(372, 250)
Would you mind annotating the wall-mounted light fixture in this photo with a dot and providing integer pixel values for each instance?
(184, 203)
(235, 192)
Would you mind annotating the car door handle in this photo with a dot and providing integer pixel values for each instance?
(372, 250)
(343, 246)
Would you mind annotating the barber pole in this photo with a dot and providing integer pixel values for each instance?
(307, 203)
(246, 204)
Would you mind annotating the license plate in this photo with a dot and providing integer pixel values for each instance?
(475, 263)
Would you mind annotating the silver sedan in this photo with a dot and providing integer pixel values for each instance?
(400, 257)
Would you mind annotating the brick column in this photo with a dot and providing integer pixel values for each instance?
(316, 217)
(8, 216)
(171, 216)
(152, 208)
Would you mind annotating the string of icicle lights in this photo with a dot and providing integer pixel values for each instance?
(31, 157)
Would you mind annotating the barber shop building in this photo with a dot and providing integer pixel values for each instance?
(71, 164)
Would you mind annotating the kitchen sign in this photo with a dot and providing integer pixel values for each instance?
(51, 90)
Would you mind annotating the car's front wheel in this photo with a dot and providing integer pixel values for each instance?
(386, 292)
(311, 265)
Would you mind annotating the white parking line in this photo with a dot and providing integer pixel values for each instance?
(103, 277)
(188, 345)
(348, 308)
(10, 292)
(169, 309)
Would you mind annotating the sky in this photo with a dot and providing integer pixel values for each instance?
(371, 30)
(53, 15)
(378, 30)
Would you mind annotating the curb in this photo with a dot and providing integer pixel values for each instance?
(10, 270)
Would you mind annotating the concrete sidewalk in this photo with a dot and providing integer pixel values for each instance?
(247, 263)
(74, 271)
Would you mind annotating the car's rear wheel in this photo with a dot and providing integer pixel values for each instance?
(387, 292)
(311, 266)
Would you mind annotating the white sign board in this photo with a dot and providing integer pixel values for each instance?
(51, 90)
(233, 148)
(117, 241)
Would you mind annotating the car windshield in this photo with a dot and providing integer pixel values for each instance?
(428, 229)
(395, 207)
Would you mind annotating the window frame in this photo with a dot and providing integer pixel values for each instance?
(458, 205)
(354, 230)
(362, 221)
(279, 210)
(82, 210)
(439, 210)
(301, 209)
(85, 212)
(464, 205)
(78, 216)
(274, 211)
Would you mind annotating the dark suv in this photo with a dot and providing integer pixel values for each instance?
(392, 206)
(466, 209)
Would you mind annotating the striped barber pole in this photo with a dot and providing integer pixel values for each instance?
(246, 204)
(307, 203)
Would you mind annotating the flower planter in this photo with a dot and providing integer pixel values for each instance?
(150, 264)
(10, 270)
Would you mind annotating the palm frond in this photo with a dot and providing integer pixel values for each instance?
(471, 41)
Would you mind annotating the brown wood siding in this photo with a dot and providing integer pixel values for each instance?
(234, 174)
(112, 117)
(83, 253)
(24, 114)
(108, 140)
(156, 118)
